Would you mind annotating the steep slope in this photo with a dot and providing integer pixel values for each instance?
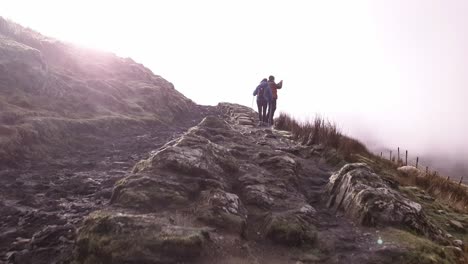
(55, 97)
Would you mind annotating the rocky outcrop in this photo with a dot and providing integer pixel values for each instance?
(223, 177)
(365, 197)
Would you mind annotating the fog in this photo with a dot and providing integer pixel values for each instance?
(390, 73)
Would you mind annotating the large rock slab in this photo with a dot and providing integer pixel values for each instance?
(365, 197)
(109, 237)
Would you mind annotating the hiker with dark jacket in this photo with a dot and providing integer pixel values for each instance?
(272, 106)
(264, 97)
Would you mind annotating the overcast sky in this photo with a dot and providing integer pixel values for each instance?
(392, 72)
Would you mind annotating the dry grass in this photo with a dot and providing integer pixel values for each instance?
(320, 131)
(450, 192)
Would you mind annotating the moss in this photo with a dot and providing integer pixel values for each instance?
(142, 192)
(291, 232)
(419, 250)
(122, 238)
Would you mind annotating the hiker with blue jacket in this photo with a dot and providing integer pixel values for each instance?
(264, 98)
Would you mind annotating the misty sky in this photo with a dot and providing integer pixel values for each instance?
(391, 72)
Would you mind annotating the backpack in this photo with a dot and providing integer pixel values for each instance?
(261, 92)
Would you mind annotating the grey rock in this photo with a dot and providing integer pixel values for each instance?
(457, 225)
(365, 197)
(458, 243)
(145, 238)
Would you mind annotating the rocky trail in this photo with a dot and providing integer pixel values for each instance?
(223, 191)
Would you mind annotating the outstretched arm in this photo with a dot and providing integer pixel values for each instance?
(279, 85)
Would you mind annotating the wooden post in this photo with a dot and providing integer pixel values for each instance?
(381, 154)
(460, 181)
(406, 162)
(427, 169)
(390, 155)
(398, 160)
(417, 162)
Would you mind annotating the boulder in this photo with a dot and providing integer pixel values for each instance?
(109, 237)
(292, 228)
(222, 209)
(365, 197)
(410, 171)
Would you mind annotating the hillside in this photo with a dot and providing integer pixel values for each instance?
(55, 96)
(104, 162)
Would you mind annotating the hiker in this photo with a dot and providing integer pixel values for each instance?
(264, 97)
(272, 106)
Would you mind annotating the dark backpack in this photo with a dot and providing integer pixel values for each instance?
(261, 92)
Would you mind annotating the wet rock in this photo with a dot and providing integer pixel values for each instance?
(258, 195)
(284, 165)
(52, 236)
(150, 192)
(223, 210)
(125, 238)
(366, 197)
(191, 155)
(292, 228)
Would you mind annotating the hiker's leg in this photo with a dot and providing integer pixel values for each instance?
(267, 116)
(259, 106)
(273, 109)
(264, 110)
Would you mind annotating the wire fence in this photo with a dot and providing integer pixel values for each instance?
(401, 158)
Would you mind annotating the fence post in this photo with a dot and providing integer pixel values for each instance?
(381, 154)
(406, 160)
(390, 155)
(417, 162)
(460, 181)
(427, 169)
(398, 159)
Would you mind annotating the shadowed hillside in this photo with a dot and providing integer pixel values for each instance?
(54, 95)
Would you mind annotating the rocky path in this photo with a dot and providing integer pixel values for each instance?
(224, 191)
(42, 204)
(227, 191)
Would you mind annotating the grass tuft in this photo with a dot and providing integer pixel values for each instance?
(322, 132)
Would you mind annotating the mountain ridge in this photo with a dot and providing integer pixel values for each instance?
(73, 90)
